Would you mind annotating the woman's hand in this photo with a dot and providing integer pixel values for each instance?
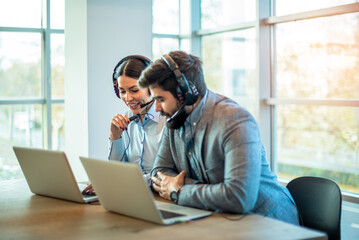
(118, 124)
(89, 190)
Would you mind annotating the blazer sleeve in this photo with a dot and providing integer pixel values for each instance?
(240, 170)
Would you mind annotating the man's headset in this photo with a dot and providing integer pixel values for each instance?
(186, 91)
(116, 71)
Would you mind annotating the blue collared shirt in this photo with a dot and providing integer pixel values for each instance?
(141, 144)
(187, 132)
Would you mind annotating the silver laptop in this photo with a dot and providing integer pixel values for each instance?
(48, 173)
(122, 189)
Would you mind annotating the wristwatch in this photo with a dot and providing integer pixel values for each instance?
(174, 193)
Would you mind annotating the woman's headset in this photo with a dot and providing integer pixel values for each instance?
(186, 91)
(116, 71)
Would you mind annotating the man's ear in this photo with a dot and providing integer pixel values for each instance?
(150, 88)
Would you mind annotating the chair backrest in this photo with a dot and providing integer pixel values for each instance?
(319, 203)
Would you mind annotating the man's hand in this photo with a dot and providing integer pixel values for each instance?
(164, 184)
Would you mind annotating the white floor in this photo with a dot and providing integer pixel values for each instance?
(350, 221)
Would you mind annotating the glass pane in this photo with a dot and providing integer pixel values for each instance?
(57, 65)
(58, 127)
(319, 58)
(165, 14)
(185, 17)
(20, 125)
(57, 14)
(215, 13)
(319, 141)
(20, 13)
(161, 46)
(284, 7)
(20, 65)
(185, 45)
(229, 62)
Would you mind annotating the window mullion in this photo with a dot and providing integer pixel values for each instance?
(46, 80)
(195, 27)
(264, 73)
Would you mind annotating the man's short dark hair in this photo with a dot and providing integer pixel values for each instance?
(158, 73)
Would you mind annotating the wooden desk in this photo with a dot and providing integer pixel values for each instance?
(27, 216)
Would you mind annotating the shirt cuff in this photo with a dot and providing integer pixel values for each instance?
(115, 149)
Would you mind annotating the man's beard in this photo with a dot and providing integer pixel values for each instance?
(178, 118)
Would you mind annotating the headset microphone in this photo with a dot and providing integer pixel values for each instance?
(176, 113)
(147, 103)
(134, 117)
(138, 115)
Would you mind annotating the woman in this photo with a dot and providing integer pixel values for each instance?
(136, 135)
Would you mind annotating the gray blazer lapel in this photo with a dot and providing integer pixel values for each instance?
(198, 146)
(180, 152)
(207, 116)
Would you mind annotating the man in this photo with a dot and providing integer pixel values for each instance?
(211, 155)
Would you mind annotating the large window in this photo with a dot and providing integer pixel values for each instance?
(228, 50)
(171, 26)
(293, 64)
(31, 78)
(316, 99)
(229, 64)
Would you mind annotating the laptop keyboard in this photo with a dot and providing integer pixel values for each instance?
(87, 195)
(166, 214)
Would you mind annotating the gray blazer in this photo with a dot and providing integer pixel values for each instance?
(233, 165)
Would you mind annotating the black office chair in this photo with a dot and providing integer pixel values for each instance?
(319, 203)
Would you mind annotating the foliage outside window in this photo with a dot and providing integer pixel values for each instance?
(31, 79)
(319, 140)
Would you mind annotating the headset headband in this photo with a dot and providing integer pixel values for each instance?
(116, 70)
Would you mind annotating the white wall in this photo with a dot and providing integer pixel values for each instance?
(76, 124)
(97, 35)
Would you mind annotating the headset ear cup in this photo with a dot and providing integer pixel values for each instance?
(195, 90)
(191, 95)
(186, 91)
(115, 87)
(180, 96)
(190, 99)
